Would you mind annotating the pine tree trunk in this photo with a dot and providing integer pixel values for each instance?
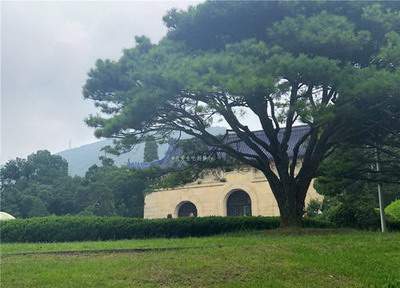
(290, 218)
(291, 206)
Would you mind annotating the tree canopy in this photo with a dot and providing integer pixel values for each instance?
(333, 66)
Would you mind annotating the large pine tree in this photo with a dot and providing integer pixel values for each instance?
(331, 65)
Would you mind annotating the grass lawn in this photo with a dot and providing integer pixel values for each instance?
(256, 259)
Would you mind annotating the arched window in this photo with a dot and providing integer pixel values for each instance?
(187, 209)
(238, 204)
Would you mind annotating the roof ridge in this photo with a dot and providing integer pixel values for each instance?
(281, 129)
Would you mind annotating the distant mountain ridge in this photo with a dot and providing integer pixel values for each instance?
(81, 158)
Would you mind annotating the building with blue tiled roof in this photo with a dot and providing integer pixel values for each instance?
(243, 191)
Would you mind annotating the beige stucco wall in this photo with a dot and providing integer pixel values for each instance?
(210, 195)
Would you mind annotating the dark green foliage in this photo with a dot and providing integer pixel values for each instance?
(40, 166)
(213, 24)
(32, 206)
(33, 186)
(353, 214)
(61, 229)
(393, 225)
(348, 180)
(40, 186)
(313, 208)
(110, 190)
(150, 150)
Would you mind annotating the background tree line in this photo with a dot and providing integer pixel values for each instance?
(40, 186)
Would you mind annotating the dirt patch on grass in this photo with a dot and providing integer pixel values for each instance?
(307, 231)
(98, 251)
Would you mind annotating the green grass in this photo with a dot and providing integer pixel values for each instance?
(259, 259)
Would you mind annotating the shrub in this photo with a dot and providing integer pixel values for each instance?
(393, 210)
(355, 216)
(360, 217)
(84, 228)
(313, 208)
(393, 225)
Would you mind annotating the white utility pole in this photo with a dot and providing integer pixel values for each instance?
(381, 211)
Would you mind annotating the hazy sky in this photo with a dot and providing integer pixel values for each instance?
(46, 50)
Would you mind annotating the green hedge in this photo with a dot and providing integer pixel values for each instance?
(78, 228)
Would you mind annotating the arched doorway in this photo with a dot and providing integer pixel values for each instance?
(187, 209)
(238, 204)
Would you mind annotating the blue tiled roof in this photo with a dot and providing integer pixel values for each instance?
(296, 134)
(173, 151)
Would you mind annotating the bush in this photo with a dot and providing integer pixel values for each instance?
(360, 217)
(313, 208)
(355, 216)
(393, 210)
(75, 228)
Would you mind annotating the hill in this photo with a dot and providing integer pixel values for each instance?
(81, 158)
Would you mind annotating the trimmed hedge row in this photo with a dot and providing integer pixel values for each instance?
(78, 228)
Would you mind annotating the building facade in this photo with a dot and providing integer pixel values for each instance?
(242, 192)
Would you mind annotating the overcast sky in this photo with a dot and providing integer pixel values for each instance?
(46, 50)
